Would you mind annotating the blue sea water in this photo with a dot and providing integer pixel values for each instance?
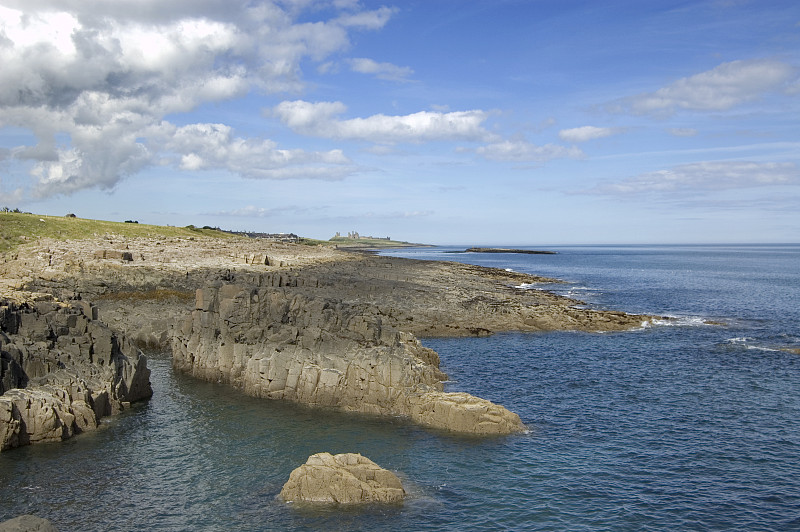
(678, 426)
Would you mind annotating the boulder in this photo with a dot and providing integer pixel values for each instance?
(27, 523)
(342, 479)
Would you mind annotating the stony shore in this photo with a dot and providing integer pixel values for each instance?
(309, 324)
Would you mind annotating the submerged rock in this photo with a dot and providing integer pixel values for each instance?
(343, 479)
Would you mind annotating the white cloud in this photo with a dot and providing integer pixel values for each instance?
(320, 119)
(682, 131)
(721, 88)
(386, 71)
(93, 80)
(707, 175)
(524, 151)
(371, 20)
(251, 211)
(11, 197)
(585, 133)
(207, 146)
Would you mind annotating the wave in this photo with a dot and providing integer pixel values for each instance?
(746, 342)
(678, 321)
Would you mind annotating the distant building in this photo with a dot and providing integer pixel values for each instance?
(354, 235)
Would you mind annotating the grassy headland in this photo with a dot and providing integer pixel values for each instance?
(20, 228)
(371, 243)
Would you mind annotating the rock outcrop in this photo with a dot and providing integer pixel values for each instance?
(61, 371)
(277, 343)
(27, 523)
(306, 324)
(342, 479)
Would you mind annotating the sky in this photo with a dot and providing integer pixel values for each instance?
(470, 122)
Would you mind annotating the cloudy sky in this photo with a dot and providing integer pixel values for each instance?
(440, 121)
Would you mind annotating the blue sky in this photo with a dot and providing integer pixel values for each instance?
(438, 121)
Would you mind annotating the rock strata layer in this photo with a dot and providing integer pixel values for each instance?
(342, 479)
(306, 324)
(273, 342)
(61, 371)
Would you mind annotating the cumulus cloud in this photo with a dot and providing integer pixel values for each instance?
(321, 119)
(704, 176)
(386, 71)
(94, 81)
(585, 133)
(721, 88)
(208, 146)
(524, 151)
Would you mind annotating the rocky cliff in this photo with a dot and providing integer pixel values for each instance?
(279, 343)
(61, 371)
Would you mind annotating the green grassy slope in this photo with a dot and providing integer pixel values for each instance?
(15, 226)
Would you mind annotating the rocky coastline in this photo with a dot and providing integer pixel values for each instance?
(61, 371)
(313, 325)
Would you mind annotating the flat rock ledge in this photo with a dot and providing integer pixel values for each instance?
(61, 371)
(27, 523)
(342, 479)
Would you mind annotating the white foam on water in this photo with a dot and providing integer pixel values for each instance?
(747, 343)
(676, 321)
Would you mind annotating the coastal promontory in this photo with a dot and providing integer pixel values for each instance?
(309, 324)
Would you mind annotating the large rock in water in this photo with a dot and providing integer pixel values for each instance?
(343, 479)
(276, 343)
(27, 523)
(61, 371)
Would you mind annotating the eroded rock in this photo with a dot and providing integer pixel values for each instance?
(281, 344)
(342, 479)
(61, 372)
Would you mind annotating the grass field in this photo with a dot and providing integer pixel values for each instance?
(19, 228)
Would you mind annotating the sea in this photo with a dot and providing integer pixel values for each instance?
(686, 423)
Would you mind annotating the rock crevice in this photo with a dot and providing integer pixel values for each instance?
(61, 372)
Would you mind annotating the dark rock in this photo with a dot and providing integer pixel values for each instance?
(60, 372)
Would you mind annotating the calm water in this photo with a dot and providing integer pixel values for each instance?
(675, 427)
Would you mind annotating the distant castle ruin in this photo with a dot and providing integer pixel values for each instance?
(354, 235)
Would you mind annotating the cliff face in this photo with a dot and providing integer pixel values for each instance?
(278, 343)
(61, 371)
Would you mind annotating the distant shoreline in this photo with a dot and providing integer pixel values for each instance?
(506, 250)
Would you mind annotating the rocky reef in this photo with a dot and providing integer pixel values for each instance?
(61, 371)
(307, 324)
(342, 479)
